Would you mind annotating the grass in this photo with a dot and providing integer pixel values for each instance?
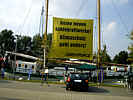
(35, 81)
(57, 82)
(107, 85)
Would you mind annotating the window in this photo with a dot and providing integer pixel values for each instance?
(25, 66)
(109, 68)
(19, 65)
(32, 66)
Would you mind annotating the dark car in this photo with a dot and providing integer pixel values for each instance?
(77, 81)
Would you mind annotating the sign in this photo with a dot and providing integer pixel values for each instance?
(72, 38)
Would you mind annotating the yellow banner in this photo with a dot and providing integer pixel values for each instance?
(72, 38)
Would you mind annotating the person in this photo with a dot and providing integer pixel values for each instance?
(29, 74)
(132, 83)
(129, 80)
(45, 76)
(42, 76)
(2, 73)
(90, 76)
(130, 77)
(99, 79)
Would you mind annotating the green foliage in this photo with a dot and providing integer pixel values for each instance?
(24, 44)
(37, 47)
(131, 35)
(105, 58)
(121, 58)
(130, 48)
(6, 41)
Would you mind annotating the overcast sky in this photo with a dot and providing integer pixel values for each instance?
(23, 16)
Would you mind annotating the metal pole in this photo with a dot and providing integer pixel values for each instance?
(99, 33)
(45, 34)
(44, 58)
(99, 40)
(47, 1)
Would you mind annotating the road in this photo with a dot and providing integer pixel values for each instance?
(14, 90)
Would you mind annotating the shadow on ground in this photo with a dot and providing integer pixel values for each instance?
(4, 81)
(6, 98)
(91, 89)
(97, 90)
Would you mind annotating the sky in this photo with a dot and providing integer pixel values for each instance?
(23, 17)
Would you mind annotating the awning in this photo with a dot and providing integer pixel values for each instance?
(87, 67)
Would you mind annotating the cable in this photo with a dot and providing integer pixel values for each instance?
(25, 18)
(81, 7)
(40, 25)
(125, 26)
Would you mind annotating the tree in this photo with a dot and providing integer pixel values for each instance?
(116, 59)
(105, 58)
(130, 48)
(47, 43)
(37, 48)
(6, 41)
(24, 44)
(33, 46)
(121, 58)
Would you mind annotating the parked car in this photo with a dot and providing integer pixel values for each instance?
(77, 81)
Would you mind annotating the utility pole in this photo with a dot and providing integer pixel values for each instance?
(45, 34)
(99, 32)
(99, 43)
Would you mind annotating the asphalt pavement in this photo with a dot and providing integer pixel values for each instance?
(14, 90)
